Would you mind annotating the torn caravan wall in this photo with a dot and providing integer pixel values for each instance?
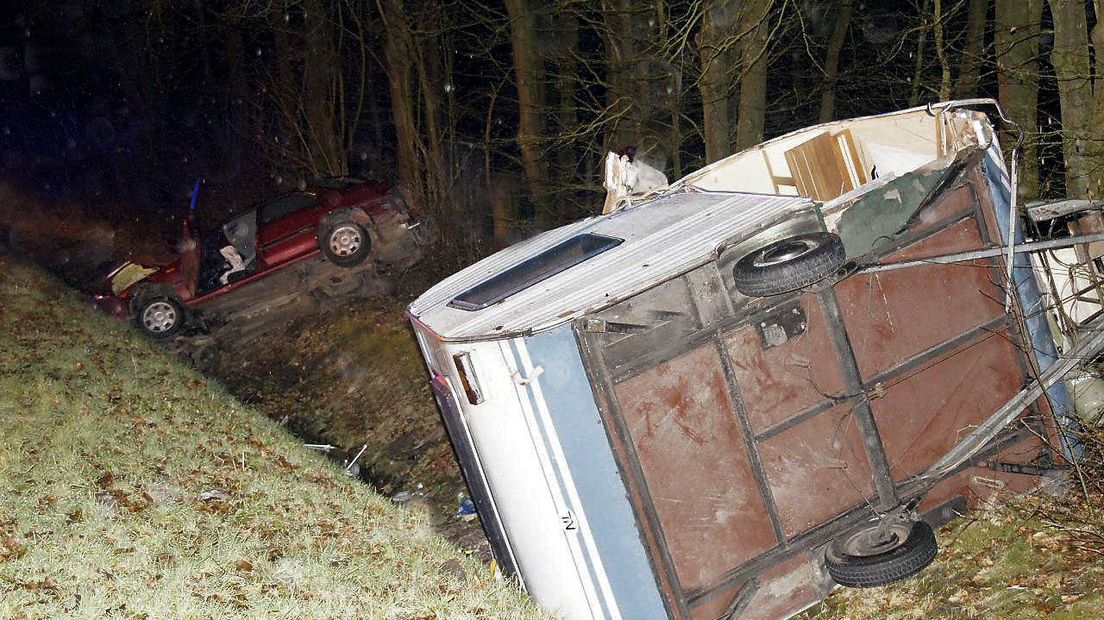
(627, 176)
(827, 161)
(1031, 299)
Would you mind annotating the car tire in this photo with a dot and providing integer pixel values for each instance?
(789, 264)
(160, 316)
(857, 562)
(344, 242)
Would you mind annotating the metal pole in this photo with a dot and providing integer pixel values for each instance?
(960, 257)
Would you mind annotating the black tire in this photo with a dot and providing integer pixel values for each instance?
(344, 242)
(160, 316)
(855, 563)
(789, 264)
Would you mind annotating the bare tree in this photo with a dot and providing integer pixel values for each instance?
(831, 59)
(529, 80)
(966, 84)
(1017, 50)
(1073, 68)
(755, 29)
(716, 47)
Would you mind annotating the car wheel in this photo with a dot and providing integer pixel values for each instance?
(345, 243)
(160, 316)
(873, 557)
(789, 264)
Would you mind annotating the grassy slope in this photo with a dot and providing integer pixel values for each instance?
(108, 443)
(351, 378)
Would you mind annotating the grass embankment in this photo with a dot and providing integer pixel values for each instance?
(107, 451)
(351, 378)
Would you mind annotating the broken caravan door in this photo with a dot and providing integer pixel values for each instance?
(730, 504)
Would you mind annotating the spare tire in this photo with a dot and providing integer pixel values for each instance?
(789, 264)
(867, 558)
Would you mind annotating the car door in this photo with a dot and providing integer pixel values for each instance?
(286, 227)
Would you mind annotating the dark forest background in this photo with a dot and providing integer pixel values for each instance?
(493, 117)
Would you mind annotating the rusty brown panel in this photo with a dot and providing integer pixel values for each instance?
(1050, 424)
(645, 517)
(978, 483)
(681, 422)
(922, 414)
(817, 469)
(776, 383)
(956, 202)
(788, 587)
(988, 212)
(715, 607)
(894, 315)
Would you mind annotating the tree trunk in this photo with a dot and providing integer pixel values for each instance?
(320, 99)
(399, 53)
(1096, 184)
(714, 47)
(967, 82)
(918, 71)
(431, 83)
(621, 58)
(529, 79)
(753, 83)
(1017, 51)
(567, 114)
(831, 60)
(941, 52)
(1072, 67)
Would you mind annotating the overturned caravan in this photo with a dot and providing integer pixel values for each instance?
(706, 404)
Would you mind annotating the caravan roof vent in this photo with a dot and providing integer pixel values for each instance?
(556, 259)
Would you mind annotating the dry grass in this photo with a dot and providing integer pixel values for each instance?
(107, 447)
(1035, 556)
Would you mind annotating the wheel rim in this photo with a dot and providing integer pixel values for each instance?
(784, 251)
(876, 541)
(346, 240)
(159, 317)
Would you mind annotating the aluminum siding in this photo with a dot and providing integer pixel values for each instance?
(663, 238)
(614, 551)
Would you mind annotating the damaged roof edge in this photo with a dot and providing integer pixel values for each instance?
(689, 179)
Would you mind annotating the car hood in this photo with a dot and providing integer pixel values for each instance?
(126, 275)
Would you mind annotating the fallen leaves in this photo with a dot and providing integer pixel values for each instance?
(11, 549)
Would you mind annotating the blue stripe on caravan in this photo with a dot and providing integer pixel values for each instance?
(591, 570)
(570, 403)
(1031, 300)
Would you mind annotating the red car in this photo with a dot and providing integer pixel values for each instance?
(338, 217)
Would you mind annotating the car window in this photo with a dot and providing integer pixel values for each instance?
(278, 208)
(548, 263)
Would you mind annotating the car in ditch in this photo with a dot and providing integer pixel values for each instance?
(344, 220)
(727, 396)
